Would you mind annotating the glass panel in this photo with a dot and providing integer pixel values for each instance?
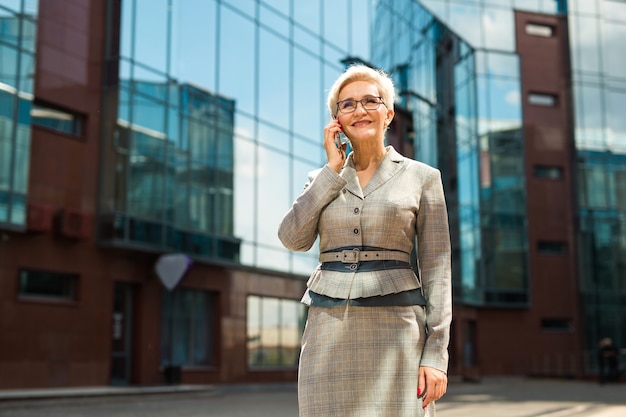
(194, 25)
(308, 96)
(614, 34)
(273, 137)
(253, 326)
(585, 51)
(18, 29)
(506, 65)
(187, 331)
(274, 328)
(589, 116)
(505, 108)
(614, 9)
(466, 21)
(273, 184)
(528, 5)
(616, 103)
(497, 26)
(307, 14)
(275, 22)
(335, 25)
(583, 6)
(236, 60)
(245, 179)
(247, 7)
(274, 94)
(151, 26)
(273, 258)
(270, 331)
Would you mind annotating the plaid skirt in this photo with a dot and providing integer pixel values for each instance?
(362, 362)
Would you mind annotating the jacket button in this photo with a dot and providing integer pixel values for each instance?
(356, 210)
(356, 231)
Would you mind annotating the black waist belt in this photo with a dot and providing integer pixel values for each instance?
(363, 259)
(404, 298)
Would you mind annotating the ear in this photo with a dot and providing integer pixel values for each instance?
(389, 118)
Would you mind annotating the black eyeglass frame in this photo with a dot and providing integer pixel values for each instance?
(382, 101)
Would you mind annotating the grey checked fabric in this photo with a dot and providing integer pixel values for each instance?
(361, 362)
(403, 198)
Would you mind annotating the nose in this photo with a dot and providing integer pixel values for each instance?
(362, 107)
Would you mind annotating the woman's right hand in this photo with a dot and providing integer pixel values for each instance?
(336, 156)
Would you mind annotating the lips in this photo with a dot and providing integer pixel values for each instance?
(361, 123)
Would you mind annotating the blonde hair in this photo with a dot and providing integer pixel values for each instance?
(360, 72)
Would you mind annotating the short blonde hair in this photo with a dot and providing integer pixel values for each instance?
(360, 72)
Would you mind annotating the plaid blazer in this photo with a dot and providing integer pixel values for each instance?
(404, 199)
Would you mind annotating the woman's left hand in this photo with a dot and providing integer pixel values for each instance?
(432, 384)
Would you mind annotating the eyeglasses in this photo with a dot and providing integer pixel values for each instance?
(368, 103)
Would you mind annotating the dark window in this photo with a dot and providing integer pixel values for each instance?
(49, 285)
(556, 325)
(548, 172)
(64, 121)
(187, 320)
(542, 99)
(551, 248)
(539, 29)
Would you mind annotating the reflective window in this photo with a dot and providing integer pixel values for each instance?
(187, 325)
(537, 29)
(542, 99)
(64, 121)
(274, 330)
(18, 34)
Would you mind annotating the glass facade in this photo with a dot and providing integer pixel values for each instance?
(274, 328)
(18, 31)
(258, 72)
(596, 28)
(209, 138)
(474, 134)
(212, 116)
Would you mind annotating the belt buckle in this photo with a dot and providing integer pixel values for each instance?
(350, 256)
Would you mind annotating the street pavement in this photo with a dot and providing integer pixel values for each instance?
(513, 397)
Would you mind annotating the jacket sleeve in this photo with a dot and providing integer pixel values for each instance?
(298, 229)
(433, 249)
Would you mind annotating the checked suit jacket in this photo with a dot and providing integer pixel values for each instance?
(403, 200)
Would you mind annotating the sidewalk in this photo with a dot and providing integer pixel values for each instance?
(491, 397)
(104, 391)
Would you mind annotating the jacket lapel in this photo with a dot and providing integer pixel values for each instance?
(389, 166)
(349, 174)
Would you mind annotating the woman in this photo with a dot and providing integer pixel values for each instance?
(375, 342)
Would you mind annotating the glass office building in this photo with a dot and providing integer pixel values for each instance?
(133, 129)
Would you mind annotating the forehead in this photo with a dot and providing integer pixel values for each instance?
(358, 89)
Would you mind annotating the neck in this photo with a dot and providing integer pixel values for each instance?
(368, 155)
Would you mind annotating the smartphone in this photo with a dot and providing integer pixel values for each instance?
(338, 140)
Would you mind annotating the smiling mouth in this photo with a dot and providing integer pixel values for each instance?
(361, 123)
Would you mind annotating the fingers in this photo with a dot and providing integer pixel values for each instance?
(421, 383)
(335, 152)
(435, 385)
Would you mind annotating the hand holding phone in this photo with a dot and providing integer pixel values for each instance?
(338, 140)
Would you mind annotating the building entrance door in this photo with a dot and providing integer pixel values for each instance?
(122, 331)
